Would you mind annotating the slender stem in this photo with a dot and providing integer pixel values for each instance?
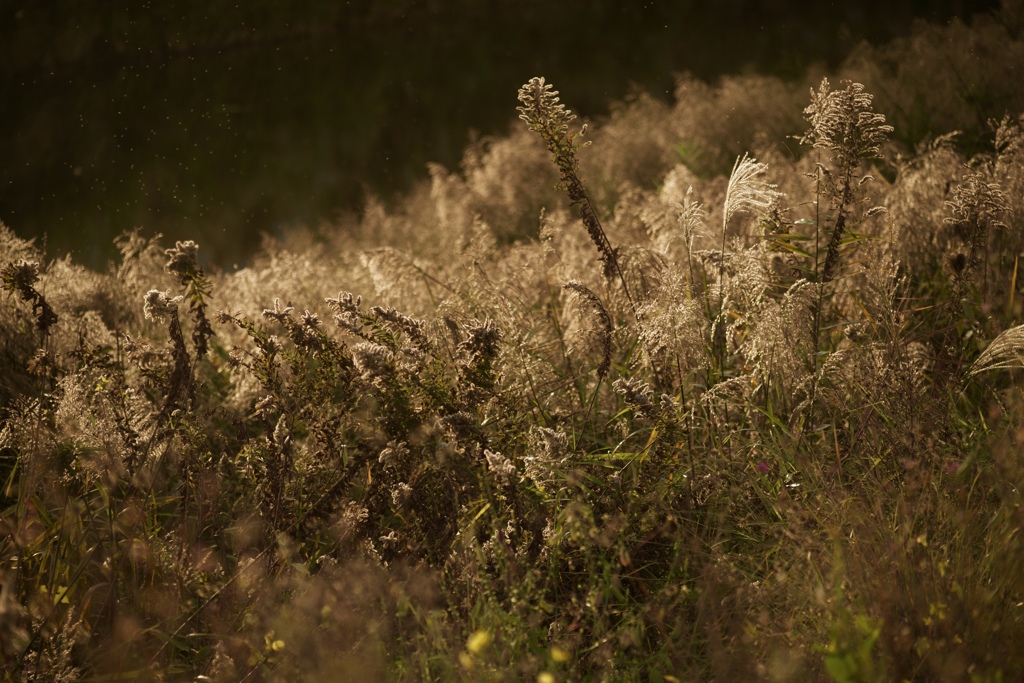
(820, 285)
(720, 347)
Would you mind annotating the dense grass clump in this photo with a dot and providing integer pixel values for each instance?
(682, 427)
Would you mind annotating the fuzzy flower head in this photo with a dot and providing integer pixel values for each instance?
(266, 407)
(306, 334)
(20, 275)
(345, 303)
(500, 467)
(278, 313)
(350, 521)
(346, 311)
(157, 305)
(183, 259)
(484, 336)
(547, 447)
(551, 444)
(482, 340)
(309, 320)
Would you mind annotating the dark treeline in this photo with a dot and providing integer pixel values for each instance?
(227, 121)
(773, 35)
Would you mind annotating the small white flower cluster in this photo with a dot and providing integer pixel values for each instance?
(500, 467)
(158, 305)
(282, 433)
(346, 311)
(375, 363)
(265, 407)
(277, 313)
(635, 392)
(401, 494)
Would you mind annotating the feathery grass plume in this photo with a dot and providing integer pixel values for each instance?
(1009, 136)
(656, 216)
(844, 124)
(1008, 171)
(1004, 352)
(604, 322)
(637, 142)
(733, 387)
(646, 270)
(947, 75)
(746, 190)
(546, 116)
(777, 343)
(692, 220)
(674, 329)
(917, 198)
(21, 276)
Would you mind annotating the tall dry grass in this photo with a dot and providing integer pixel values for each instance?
(658, 424)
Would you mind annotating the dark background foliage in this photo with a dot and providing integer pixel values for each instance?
(227, 120)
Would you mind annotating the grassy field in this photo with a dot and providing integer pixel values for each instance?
(733, 393)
